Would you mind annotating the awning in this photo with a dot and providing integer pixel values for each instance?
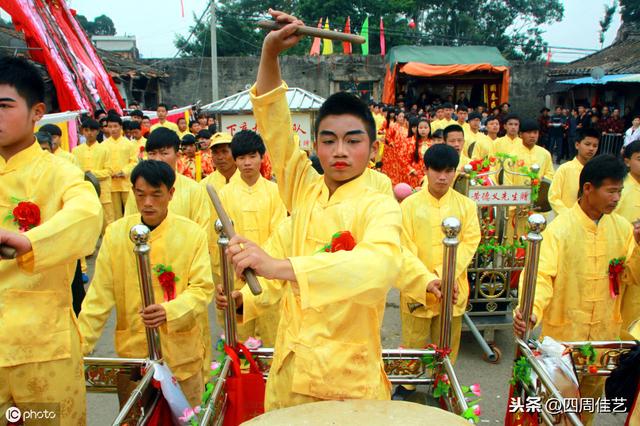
(299, 100)
(613, 78)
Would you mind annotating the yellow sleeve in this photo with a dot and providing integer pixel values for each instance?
(72, 231)
(278, 214)
(469, 239)
(278, 246)
(130, 206)
(547, 272)
(290, 164)
(201, 212)
(362, 274)
(100, 298)
(133, 160)
(555, 192)
(549, 171)
(105, 171)
(183, 311)
(632, 269)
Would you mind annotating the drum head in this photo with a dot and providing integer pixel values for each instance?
(542, 204)
(90, 177)
(365, 412)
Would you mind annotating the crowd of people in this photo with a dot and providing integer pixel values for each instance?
(327, 237)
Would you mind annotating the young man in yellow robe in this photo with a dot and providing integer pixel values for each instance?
(472, 135)
(487, 147)
(507, 143)
(422, 216)
(162, 110)
(57, 222)
(563, 192)
(178, 245)
(254, 205)
(124, 157)
(454, 137)
(629, 208)
(328, 343)
(96, 159)
(574, 300)
(529, 153)
(138, 139)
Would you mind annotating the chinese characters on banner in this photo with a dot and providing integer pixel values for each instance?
(500, 195)
(492, 95)
(301, 126)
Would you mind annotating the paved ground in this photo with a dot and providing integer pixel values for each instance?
(470, 368)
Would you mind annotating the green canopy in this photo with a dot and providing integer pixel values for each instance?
(446, 55)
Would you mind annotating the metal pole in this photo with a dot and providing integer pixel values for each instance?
(451, 229)
(537, 223)
(226, 274)
(135, 395)
(214, 54)
(139, 234)
(217, 391)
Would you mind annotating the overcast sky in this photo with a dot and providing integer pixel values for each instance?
(155, 27)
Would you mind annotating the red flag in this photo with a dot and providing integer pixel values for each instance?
(383, 45)
(520, 417)
(182, 7)
(315, 47)
(548, 57)
(346, 46)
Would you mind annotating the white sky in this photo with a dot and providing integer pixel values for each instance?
(155, 27)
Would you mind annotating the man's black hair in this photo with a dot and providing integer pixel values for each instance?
(246, 142)
(447, 105)
(438, 134)
(203, 134)
(156, 173)
(440, 157)
(162, 105)
(600, 168)
(462, 107)
(114, 118)
(491, 118)
(134, 125)
(511, 117)
(136, 113)
(343, 103)
(631, 149)
(192, 122)
(588, 132)
(162, 138)
(52, 129)
(24, 77)
(90, 124)
(98, 113)
(187, 139)
(103, 121)
(145, 117)
(213, 129)
(126, 125)
(450, 129)
(44, 137)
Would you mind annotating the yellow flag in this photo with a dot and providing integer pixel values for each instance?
(327, 45)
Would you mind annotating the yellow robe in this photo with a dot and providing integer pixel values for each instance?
(97, 160)
(38, 329)
(379, 181)
(441, 124)
(572, 298)
(168, 124)
(629, 208)
(67, 156)
(124, 157)
(563, 192)
(471, 138)
(217, 180)
(328, 344)
(189, 200)
(536, 155)
(183, 134)
(485, 147)
(176, 242)
(506, 144)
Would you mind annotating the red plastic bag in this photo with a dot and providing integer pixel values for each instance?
(161, 415)
(245, 391)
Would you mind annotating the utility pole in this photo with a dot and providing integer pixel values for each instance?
(214, 54)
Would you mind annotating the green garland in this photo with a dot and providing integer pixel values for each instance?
(588, 352)
(521, 372)
(492, 245)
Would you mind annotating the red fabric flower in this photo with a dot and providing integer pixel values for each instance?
(616, 268)
(342, 241)
(168, 282)
(26, 215)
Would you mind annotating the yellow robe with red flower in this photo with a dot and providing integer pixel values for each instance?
(629, 208)
(37, 325)
(328, 344)
(177, 242)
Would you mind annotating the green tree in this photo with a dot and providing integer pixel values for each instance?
(511, 26)
(101, 25)
(630, 10)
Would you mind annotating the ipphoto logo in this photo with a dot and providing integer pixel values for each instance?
(33, 414)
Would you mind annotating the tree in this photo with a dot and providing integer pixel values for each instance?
(513, 26)
(605, 22)
(101, 25)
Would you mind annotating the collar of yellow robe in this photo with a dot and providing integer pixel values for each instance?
(343, 192)
(433, 201)
(588, 223)
(160, 229)
(21, 158)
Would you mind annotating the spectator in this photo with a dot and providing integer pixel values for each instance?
(556, 125)
(633, 132)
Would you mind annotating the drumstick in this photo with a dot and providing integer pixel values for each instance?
(7, 252)
(315, 32)
(227, 226)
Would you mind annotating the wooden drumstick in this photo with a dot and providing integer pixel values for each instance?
(249, 274)
(7, 252)
(315, 32)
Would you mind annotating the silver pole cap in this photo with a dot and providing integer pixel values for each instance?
(537, 223)
(451, 227)
(139, 234)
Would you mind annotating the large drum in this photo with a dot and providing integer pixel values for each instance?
(370, 413)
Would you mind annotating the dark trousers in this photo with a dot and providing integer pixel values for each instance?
(77, 289)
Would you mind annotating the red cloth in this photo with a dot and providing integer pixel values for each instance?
(397, 155)
(80, 79)
(245, 391)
